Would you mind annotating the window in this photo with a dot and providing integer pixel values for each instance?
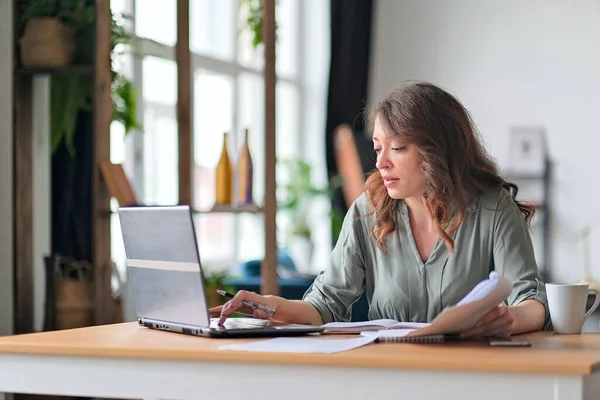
(227, 97)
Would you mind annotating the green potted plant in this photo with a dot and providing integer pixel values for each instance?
(72, 93)
(50, 28)
(296, 192)
(214, 280)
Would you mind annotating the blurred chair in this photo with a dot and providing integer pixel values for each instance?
(118, 184)
(348, 163)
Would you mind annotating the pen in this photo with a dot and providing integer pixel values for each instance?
(251, 304)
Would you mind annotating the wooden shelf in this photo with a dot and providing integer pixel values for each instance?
(217, 208)
(62, 71)
(540, 182)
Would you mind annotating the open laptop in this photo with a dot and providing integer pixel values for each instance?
(166, 279)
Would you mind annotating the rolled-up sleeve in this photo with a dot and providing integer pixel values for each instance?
(514, 256)
(340, 285)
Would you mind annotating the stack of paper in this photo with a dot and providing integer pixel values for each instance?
(370, 326)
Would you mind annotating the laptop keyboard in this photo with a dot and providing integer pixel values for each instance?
(240, 323)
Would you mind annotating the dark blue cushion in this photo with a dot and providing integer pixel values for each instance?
(252, 268)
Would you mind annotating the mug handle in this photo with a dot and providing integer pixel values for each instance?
(595, 305)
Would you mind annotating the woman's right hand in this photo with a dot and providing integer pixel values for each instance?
(237, 305)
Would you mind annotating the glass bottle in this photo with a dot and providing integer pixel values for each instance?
(245, 169)
(224, 177)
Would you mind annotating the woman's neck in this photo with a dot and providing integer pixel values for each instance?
(419, 215)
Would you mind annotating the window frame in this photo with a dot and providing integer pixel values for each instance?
(134, 147)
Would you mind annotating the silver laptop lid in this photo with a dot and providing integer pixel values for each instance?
(163, 264)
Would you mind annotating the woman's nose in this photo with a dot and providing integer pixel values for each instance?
(382, 161)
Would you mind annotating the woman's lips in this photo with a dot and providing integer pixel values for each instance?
(390, 181)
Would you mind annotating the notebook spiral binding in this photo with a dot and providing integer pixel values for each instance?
(413, 339)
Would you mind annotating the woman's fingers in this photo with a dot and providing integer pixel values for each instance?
(497, 325)
(497, 322)
(260, 314)
(237, 304)
(502, 332)
(494, 314)
(242, 310)
(215, 310)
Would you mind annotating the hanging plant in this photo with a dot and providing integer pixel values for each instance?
(254, 20)
(124, 93)
(73, 93)
(48, 37)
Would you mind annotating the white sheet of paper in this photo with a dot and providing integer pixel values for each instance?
(394, 332)
(373, 324)
(301, 345)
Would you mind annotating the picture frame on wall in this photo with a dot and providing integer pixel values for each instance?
(528, 150)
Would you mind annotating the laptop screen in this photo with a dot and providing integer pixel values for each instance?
(163, 264)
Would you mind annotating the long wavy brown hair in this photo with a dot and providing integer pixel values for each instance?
(455, 167)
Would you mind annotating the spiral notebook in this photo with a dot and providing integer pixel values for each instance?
(402, 336)
(413, 339)
(418, 339)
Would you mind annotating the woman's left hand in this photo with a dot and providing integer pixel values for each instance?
(498, 322)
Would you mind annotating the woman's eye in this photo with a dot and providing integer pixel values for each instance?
(399, 148)
(377, 150)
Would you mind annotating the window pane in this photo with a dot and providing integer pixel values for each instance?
(117, 142)
(212, 30)
(251, 237)
(247, 54)
(288, 141)
(286, 13)
(213, 116)
(156, 20)
(287, 120)
(216, 240)
(161, 183)
(118, 6)
(159, 80)
(117, 248)
(251, 116)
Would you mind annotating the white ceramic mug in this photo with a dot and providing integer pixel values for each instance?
(567, 304)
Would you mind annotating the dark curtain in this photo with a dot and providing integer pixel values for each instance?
(72, 194)
(351, 22)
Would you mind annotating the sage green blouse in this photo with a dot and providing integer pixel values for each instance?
(399, 285)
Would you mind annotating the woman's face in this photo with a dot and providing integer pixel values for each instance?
(398, 163)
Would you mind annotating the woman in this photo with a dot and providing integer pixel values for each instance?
(434, 220)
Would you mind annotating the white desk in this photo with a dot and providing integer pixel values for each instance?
(127, 361)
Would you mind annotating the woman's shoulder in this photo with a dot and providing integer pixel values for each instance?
(360, 212)
(361, 205)
(495, 200)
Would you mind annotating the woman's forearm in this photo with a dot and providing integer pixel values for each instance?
(296, 312)
(528, 316)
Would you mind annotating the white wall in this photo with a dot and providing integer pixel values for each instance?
(42, 193)
(6, 163)
(315, 69)
(512, 62)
